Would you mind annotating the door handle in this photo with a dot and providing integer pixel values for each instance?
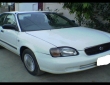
(2, 31)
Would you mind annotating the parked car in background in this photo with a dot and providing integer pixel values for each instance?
(49, 42)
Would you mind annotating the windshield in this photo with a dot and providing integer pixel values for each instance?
(35, 21)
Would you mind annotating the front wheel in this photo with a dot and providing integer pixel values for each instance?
(30, 63)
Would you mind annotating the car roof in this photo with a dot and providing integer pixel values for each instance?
(14, 12)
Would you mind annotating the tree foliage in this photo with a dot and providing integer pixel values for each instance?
(94, 15)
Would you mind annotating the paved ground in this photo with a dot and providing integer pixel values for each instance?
(13, 70)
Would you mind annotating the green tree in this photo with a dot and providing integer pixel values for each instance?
(92, 14)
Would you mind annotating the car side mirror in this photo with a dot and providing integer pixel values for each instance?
(10, 26)
(73, 21)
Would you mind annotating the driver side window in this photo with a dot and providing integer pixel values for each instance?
(10, 19)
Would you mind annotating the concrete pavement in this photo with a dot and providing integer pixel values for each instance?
(13, 70)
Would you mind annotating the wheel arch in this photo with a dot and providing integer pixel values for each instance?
(22, 48)
(39, 72)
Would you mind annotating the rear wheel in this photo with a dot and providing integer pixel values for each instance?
(30, 63)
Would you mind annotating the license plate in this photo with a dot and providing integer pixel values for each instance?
(105, 60)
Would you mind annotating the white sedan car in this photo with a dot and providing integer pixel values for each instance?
(49, 42)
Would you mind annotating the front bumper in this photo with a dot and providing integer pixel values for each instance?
(69, 64)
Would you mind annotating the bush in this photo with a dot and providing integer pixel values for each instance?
(94, 15)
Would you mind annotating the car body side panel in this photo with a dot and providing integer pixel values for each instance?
(33, 43)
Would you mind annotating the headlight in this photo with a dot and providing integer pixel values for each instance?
(63, 51)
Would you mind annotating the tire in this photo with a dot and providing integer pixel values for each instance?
(30, 63)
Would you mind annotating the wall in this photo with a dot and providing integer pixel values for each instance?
(26, 6)
(16, 6)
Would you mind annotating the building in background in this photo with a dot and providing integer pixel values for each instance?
(26, 6)
(40, 6)
(55, 7)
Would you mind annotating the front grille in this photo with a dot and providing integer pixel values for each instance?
(97, 49)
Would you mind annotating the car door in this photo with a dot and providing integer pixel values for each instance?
(9, 36)
(2, 18)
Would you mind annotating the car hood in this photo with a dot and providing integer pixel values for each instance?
(76, 37)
